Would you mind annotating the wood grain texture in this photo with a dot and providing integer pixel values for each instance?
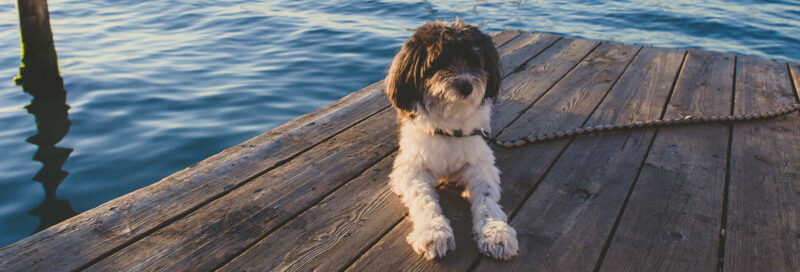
(673, 218)
(794, 68)
(392, 252)
(221, 229)
(328, 255)
(337, 255)
(590, 81)
(330, 235)
(763, 230)
(565, 223)
(520, 167)
(90, 235)
(523, 48)
(501, 38)
(536, 78)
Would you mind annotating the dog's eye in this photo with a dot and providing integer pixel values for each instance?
(475, 57)
(474, 60)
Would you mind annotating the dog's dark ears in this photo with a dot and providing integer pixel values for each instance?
(405, 75)
(492, 66)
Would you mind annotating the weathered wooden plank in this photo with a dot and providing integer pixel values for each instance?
(501, 38)
(392, 252)
(523, 48)
(90, 235)
(521, 167)
(794, 68)
(307, 251)
(564, 224)
(330, 234)
(224, 227)
(587, 82)
(213, 244)
(763, 228)
(539, 74)
(673, 218)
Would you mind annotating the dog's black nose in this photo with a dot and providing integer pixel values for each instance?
(463, 87)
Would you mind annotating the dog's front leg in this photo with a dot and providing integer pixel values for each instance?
(432, 235)
(494, 236)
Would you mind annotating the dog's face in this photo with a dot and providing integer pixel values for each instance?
(443, 65)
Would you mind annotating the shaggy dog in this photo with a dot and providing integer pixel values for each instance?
(442, 83)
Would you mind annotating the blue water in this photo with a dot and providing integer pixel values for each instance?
(156, 86)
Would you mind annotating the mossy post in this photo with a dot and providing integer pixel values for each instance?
(38, 73)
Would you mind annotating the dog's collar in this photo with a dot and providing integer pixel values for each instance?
(458, 134)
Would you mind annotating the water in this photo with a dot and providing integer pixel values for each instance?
(156, 86)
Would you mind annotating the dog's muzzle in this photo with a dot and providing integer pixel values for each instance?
(464, 87)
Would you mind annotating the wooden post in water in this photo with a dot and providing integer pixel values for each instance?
(39, 76)
(38, 73)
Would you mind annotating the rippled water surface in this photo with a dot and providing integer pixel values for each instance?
(155, 86)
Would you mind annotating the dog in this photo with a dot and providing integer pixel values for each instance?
(443, 83)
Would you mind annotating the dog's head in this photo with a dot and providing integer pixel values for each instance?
(443, 64)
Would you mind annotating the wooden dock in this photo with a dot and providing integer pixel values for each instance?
(312, 194)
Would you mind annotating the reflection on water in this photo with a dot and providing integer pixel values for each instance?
(52, 122)
(40, 77)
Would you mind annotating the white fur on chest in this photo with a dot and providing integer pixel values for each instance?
(445, 156)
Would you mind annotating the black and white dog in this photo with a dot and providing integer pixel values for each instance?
(442, 83)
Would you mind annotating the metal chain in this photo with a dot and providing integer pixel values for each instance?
(639, 124)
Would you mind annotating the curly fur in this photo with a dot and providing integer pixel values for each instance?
(445, 77)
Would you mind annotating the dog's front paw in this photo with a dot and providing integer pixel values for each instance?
(432, 239)
(498, 240)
